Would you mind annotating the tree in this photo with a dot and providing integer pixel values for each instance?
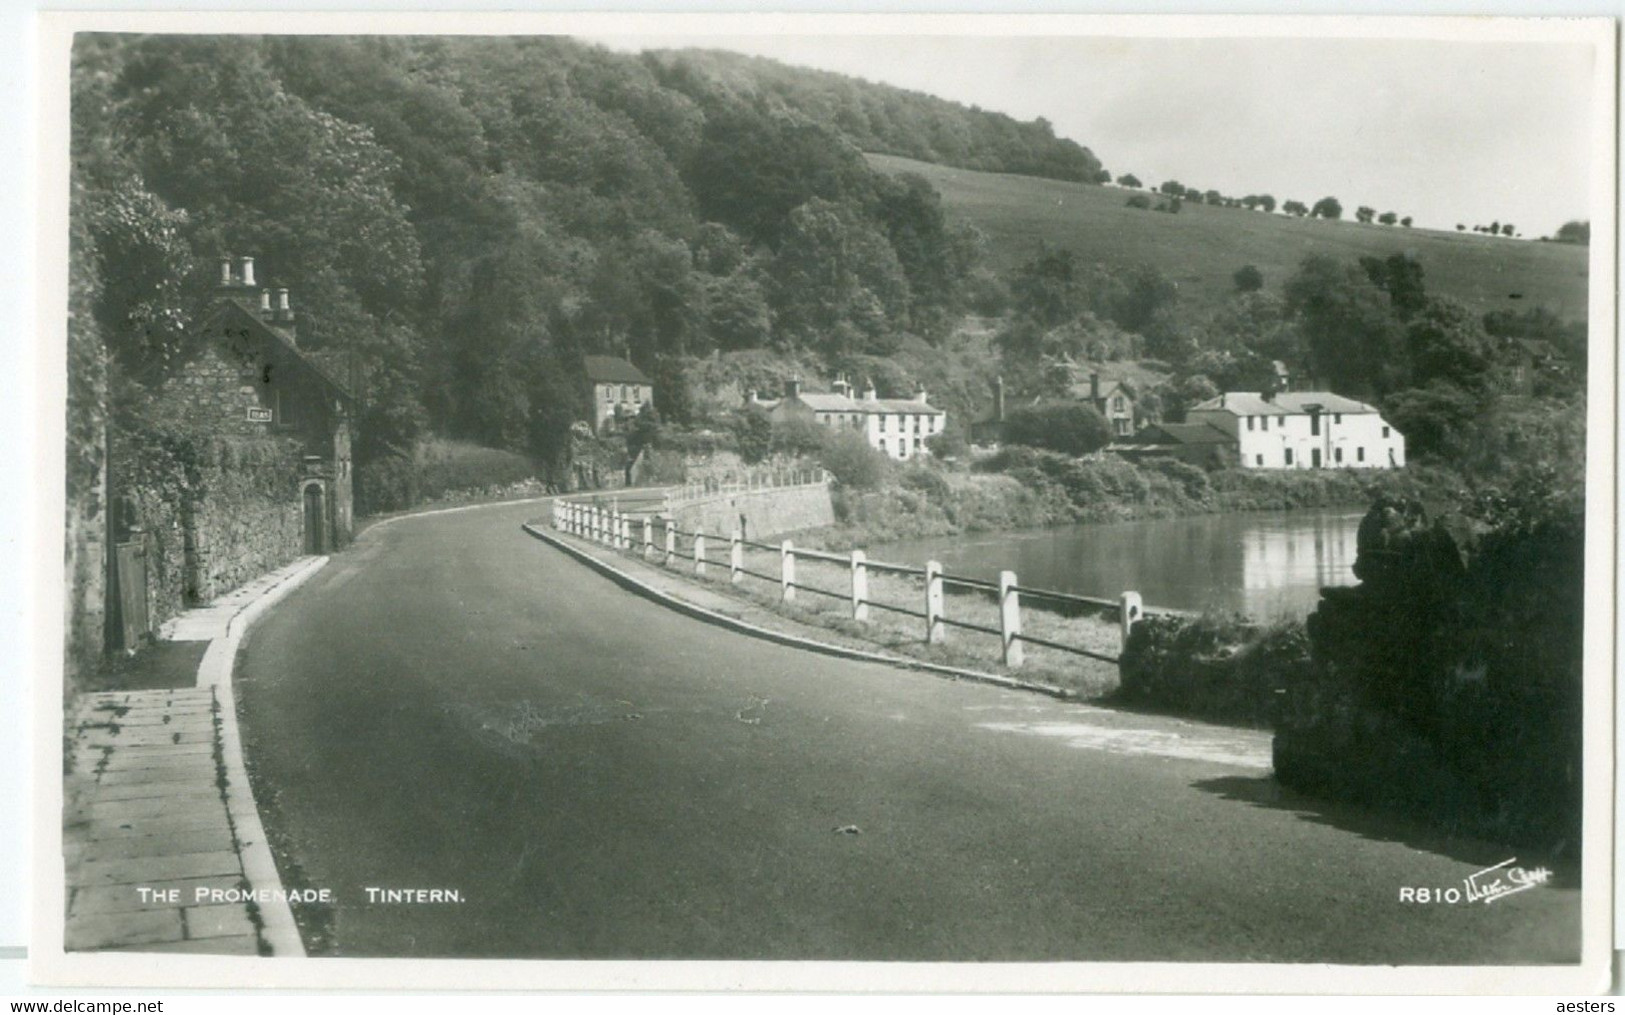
(1129, 180)
(1213, 197)
(1139, 201)
(1506, 229)
(1388, 218)
(1266, 202)
(753, 432)
(1327, 208)
(1401, 278)
(1444, 342)
(1297, 208)
(1248, 279)
(1461, 228)
(1070, 428)
(1574, 232)
(1364, 213)
(1355, 339)
(1406, 221)
(1437, 420)
(1173, 188)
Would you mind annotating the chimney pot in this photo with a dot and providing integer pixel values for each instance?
(1094, 386)
(225, 270)
(247, 265)
(282, 301)
(792, 388)
(265, 301)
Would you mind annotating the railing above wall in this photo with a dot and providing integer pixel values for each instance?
(615, 529)
(700, 491)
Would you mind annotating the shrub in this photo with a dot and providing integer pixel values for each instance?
(1219, 667)
(1068, 427)
(1139, 201)
(847, 456)
(385, 484)
(446, 467)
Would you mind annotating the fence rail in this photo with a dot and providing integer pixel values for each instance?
(590, 519)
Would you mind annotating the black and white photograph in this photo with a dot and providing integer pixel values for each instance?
(814, 502)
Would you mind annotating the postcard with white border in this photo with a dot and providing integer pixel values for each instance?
(805, 502)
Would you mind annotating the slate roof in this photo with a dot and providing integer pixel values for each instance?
(828, 401)
(1183, 433)
(281, 339)
(1286, 403)
(613, 370)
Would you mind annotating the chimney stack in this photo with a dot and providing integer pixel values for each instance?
(265, 303)
(225, 270)
(869, 390)
(919, 393)
(1094, 387)
(247, 265)
(792, 388)
(750, 397)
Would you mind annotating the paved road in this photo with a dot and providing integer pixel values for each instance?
(452, 704)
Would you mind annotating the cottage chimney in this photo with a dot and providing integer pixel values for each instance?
(998, 399)
(247, 266)
(1094, 387)
(225, 270)
(265, 303)
(869, 394)
(792, 388)
(283, 312)
(919, 393)
(840, 387)
(750, 397)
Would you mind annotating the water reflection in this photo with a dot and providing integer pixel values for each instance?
(1265, 564)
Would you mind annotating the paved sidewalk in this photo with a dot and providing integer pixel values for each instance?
(156, 837)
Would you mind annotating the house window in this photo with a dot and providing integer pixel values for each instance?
(1258, 459)
(1337, 454)
(1289, 456)
(1250, 421)
(609, 394)
(1385, 433)
(1359, 454)
(1314, 424)
(1117, 403)
(1337, 417)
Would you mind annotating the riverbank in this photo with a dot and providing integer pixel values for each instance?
(1021, 488)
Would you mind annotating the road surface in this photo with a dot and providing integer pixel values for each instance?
(453, 706)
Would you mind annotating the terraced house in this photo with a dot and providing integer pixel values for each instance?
(1303, 430)
(897, 427)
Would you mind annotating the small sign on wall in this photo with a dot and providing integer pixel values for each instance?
(259, 415)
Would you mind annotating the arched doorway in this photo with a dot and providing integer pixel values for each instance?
(315, 520)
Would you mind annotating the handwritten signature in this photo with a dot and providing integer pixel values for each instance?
(1503, 880)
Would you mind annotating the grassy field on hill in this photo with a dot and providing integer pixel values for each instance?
(1202, 246)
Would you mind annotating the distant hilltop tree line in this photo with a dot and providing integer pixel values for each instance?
(1175, 192)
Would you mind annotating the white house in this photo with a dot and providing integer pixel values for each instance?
(1303, 430)
(619, 390)
(897, 427)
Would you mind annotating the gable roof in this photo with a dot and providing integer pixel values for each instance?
(278, 339)
(1183, 433)
(613, 370)
(829, 401)
(1286, 403)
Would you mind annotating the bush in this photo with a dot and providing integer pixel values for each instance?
(385, 484)
(1070, 428)
(847, 456)
(1139, 201)
(1218, 667)
(447, 467)
(1466, 711)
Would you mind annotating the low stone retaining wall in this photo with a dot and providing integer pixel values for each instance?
(759, 513)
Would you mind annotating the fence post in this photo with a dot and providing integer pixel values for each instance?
(1010, 619)
(592, 522)
(736, 556)
(626, 532)
(699, 553)
(1129, 611)
(787, 572)
(860, 586)
(936, 631)
(671, 543)
(615, 523)
(648, 537)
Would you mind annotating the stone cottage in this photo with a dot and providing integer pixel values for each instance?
(243, 465)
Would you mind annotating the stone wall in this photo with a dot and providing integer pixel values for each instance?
(85, 519)
(766, 513)
(248, 516)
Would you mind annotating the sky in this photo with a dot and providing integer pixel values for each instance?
(1445, 131)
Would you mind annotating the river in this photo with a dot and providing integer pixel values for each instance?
(1266, 564)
